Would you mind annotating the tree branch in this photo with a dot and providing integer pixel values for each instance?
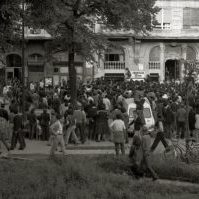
(67, 4)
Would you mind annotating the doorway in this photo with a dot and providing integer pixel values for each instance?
(172, 70)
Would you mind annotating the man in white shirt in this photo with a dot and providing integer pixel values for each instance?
(107, 103)
(57, 133)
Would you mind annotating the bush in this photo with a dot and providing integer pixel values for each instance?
(81, 177)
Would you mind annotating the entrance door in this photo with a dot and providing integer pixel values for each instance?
(172, 70)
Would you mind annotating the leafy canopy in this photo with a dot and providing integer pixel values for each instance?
(73, 21)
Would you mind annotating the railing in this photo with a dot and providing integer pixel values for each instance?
(154, 65)
(114, 65)
(166, 26)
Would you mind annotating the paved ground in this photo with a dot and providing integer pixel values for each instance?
(90, 147)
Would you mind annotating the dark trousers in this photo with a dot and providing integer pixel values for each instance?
(3, 140)
(159, 137)
(18, 136)
(80, 128)
(145, 167)
(91, 129)
(45, 132)
(180, 129)
(118, 147)
(33, 129)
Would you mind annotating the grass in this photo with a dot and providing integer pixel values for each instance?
(86, 177)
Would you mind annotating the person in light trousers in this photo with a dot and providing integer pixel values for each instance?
(119, 134)
(57, 134)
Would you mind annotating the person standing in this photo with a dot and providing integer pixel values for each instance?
(33, 123)
(44, 122)
(17, 131)
(3, 127)
(57, 134)
(70, 128)
(196, 130)
(119, 134)
(80, 117)
(181, 117)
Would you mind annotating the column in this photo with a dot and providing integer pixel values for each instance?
(162, 62)
(184, 57)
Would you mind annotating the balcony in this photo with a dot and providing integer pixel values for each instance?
(35, 61)
(154, 65)
(114, 67)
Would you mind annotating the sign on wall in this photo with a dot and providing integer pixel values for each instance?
(137, 74)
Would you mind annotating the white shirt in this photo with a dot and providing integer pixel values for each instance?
(117, 125)
(107, 103)
(197, 121)
(57, 128)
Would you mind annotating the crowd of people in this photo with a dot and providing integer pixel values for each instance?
(99, 113)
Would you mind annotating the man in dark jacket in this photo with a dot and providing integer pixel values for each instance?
(17, 131)
(168, 121)
(44, 122)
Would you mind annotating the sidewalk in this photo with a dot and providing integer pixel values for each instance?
(34, 147)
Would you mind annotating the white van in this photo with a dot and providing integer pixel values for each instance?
(130, 106)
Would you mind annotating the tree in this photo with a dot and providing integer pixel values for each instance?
(71, 24)
(10, 15)
(10, 25)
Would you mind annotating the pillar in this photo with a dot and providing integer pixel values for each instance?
(162, 62)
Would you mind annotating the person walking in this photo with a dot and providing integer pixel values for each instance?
(159, 129)
(140, 155)
(70, 128)
(119, 134)
(57, 134)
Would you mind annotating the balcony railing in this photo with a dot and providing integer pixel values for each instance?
(154, 65)
(114, 65)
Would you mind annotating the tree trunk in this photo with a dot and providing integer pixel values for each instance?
(72, 74)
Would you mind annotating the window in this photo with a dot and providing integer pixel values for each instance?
(56, 70)
(35, 31)
(112, 57)
(190, 18)
(154, 54)
(36, 68)
(191, 54)
(13, 60)
(164, 19)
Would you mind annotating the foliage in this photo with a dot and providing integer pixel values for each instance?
(72, 24)
(10, 17)
(80, 177)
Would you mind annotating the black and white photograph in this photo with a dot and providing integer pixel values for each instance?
(99, 99)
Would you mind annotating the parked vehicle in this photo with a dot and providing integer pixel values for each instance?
(130, 106)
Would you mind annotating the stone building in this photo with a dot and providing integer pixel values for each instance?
(163, 51)
(38, 65)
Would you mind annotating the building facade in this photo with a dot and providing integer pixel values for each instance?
(163, 52)
(160, 54)
(38, 65)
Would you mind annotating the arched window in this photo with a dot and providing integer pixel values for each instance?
(191, 54)
(13, 60)
(154, 55)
